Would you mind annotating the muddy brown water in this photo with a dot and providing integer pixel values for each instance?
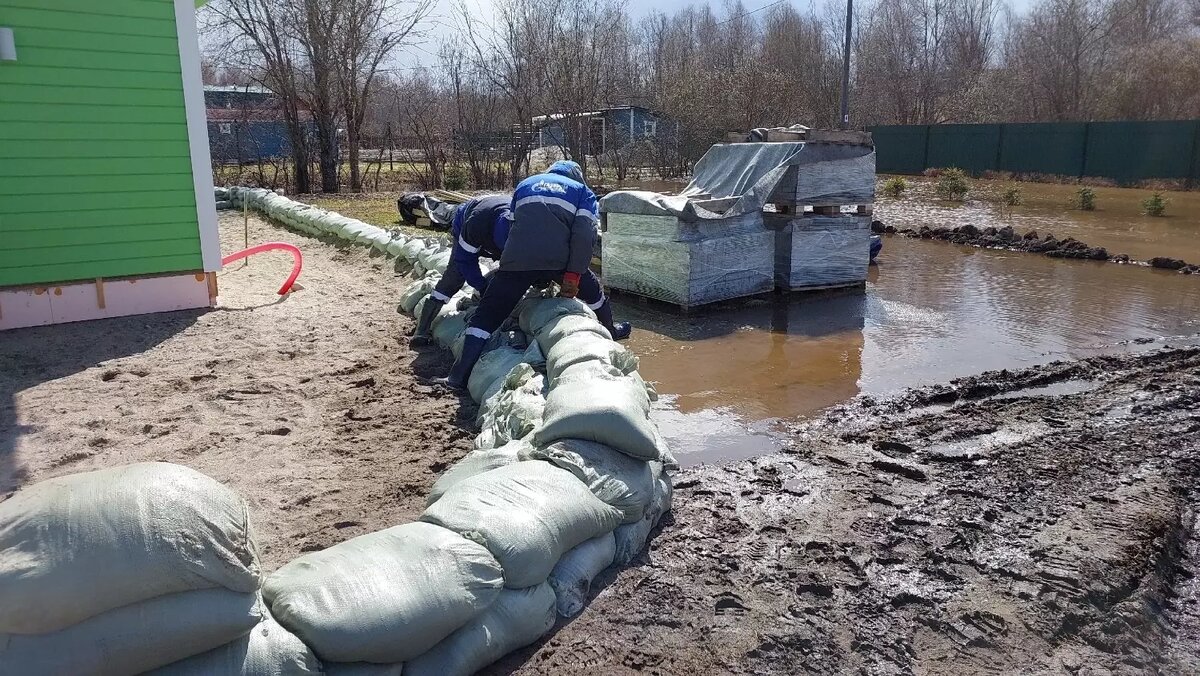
(1117, 224)
(931, 312)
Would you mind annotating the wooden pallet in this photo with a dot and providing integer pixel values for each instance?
(823, 209)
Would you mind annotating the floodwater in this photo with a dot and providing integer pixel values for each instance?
(932, 311)
(1117, 224)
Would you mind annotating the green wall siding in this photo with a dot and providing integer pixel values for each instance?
(95, 164)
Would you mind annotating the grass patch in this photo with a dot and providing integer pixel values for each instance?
(376, 209)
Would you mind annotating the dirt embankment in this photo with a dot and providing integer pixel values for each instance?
(311, 407)
(1032, 242)
(975, 528)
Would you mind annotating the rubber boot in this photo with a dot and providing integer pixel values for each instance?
(422, 336)
(460, 373)
(619, 331)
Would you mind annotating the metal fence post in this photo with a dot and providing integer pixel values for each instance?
(925, 161)
(1087, 137)
(1194, 170)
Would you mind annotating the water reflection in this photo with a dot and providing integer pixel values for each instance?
(931, 312)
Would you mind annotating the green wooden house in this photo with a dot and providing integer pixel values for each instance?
(106, 200)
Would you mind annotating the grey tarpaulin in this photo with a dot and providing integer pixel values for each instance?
(751, 173)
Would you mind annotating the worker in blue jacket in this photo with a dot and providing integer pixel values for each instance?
(555, 216)
(479, 230)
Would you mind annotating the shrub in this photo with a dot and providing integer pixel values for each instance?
(894, 187)
(953, 185)
(1085, 199)
(1011, 197)
(456, 177)
(1154, 205)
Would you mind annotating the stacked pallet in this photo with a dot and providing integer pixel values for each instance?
(820, 249)
(688, 263)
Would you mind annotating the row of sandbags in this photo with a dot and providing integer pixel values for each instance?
(136, 568)
(554, 388)
(567, 479)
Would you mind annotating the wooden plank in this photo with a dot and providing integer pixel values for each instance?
(24, 94)
(32, 204)
(93, 131)
(100, 292)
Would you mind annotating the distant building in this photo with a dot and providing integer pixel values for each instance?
(608, 129)
(246, 124)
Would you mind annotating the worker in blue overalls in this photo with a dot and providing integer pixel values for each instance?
(479, 230)
(553, 230)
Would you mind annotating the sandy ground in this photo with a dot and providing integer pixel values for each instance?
(310, 406)
(978, 528)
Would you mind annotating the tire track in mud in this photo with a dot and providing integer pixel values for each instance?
(972, 528)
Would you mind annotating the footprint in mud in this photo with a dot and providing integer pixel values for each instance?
(729, 603)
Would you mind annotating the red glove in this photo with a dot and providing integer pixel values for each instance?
(570, 285)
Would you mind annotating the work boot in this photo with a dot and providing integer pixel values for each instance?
(619, 331)
(422, 336)
(460, 373)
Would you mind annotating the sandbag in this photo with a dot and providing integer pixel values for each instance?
(363, 669)
(476, 462)
(534, 313)
(518, 618)
(415, 291)
(134, 638)
(631, 538)
(450, 327)
(488, 375)
(615, 478)
(515, 411)
(572, 577)
(584, 346)
(79, 545)
(594, 402)
(386, 596)
(527, 514)
(560, 327)
(268, 650)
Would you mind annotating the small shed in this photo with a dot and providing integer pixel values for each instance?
(246, 124)
(106, 195)
(607, 129)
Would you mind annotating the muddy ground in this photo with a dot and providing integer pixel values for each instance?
(975, 528)
(311, 407)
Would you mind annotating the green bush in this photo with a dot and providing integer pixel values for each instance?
(1011, 197)
(894, 187)
(456, 177)
(952, 184)
(1085, 199)
(1154, 205)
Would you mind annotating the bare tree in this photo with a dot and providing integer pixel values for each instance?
(367, 32)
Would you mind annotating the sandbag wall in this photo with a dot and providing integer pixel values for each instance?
(568, 477)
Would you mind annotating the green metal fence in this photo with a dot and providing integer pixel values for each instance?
(1126, 152)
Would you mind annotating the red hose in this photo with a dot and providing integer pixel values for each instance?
(271, 246)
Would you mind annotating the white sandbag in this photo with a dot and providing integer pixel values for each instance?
(631, 538)
(488, 375)
(617, 479)
(534, 314)
(597, 403)
(476, 462)
(79, 545)
(450, 327)
(560, 327)
(134, 638)
(584, 346)
(415, 291)
(516, 410)
(518, 618)
(572, 577)
(363, 669)
(386, 596)
(268, 650)
(527, 514)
